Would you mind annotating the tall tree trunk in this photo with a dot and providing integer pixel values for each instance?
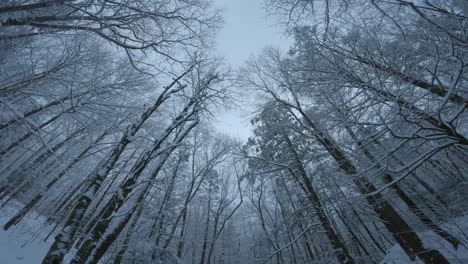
(26, 136)
(89, 248)
(435, 90)
(375, 243)
(307, 247)
(180, 244)
(123, 248)
(159, 218)
(214, 237)
(46, 153)
(438, 125)
(415, 209)
(13, 121)
(205, 233)
(400, 229)
(27, 208)
(92, 217)
(91, 251)
(301, 176)
(64, 240)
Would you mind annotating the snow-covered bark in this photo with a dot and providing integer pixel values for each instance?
(93, 249)
(64, 240)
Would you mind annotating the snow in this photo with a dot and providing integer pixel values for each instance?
(396, 255)
(18, 246)
(23, 245)
(432, 241)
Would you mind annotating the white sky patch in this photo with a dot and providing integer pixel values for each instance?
(247, 30)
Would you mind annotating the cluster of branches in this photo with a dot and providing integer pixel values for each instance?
(102, 105)
(361, 133)
(359, 144)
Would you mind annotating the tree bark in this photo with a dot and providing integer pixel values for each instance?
(415, 209)
(301, 176)
(64, 240)
(401, 231)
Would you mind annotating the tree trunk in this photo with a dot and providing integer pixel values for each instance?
(301, 176)
(180, 244)
(21, 213)
(40, 109)
(205, 233)
(401, 231)
(123, 248)
(5, 150)
(64, 240)
(89, 248)
(416, 210)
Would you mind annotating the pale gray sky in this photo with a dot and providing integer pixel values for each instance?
(247, 30)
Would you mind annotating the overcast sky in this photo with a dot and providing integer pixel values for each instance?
(247, 30)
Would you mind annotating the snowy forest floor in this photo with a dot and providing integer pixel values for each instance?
(25, 244)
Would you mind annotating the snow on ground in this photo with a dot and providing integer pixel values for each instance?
(457, 226)
(24, 245)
